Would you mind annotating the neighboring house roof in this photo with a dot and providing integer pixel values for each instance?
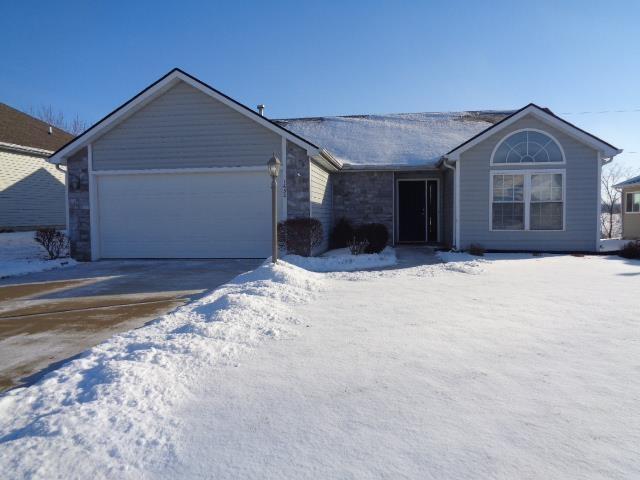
(398, 140)
(545, 115)
(19, 129)
(159, 87)
(628, 182)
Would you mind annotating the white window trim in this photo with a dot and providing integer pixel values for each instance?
(627, 212)
(527, 197)
(506, 137)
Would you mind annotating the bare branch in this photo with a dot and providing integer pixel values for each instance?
(612, 174)
(49, 115)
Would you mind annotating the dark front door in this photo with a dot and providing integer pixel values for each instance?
(432, 211)
(412, 215)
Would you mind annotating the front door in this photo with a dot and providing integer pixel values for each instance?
(412, 206)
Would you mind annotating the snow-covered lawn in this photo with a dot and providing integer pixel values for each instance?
(20, 254)
(508, 366)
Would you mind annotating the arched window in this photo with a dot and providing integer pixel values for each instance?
(527, 147)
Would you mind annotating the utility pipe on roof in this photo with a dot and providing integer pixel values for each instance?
(453, 169)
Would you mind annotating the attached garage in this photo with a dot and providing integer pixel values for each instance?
(180, 171)
(184, 215)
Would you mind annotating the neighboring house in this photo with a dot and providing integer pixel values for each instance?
(630, 208)
(179, 171)
(32, 190)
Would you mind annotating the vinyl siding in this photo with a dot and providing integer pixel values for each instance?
(321, 202)
(32, 192)
(446, 223)
(184, 128)
(630, 221)
(581, 194)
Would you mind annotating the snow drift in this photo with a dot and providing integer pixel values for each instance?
(116, 402)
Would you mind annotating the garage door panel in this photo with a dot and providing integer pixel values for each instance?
(203, 215)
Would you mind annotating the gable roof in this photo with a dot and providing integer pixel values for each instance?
(19, 129)
(159, 87)
(409, 140)
(545, 115)
(393, 140)
(628, 182)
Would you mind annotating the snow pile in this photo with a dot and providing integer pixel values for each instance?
(395, 139)
(461, 262)
(20, 254)
(612, 244)
(341, 260)
(116, 404)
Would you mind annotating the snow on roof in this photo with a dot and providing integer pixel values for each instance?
(630, 181)
(401, 139)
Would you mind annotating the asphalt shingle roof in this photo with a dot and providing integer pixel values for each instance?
(18, 128)
(630, 181)
(400, 139)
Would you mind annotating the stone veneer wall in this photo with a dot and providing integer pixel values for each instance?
(298, 188)
(79, 213)
(298, 182)
(364, 197)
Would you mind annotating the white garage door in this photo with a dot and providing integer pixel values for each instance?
(184, 215)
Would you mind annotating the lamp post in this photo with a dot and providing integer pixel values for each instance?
(273, 166)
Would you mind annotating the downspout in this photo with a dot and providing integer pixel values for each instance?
(453, 230)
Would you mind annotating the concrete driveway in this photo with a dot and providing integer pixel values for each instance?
(49, 317)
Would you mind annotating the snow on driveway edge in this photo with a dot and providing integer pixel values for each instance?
(116, 403)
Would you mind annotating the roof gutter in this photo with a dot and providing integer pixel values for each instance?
(324, 157)
(608, 160)
(23, 149)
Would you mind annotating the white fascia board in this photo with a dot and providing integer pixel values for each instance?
(146, 96)
(606, 150)
(324, 158)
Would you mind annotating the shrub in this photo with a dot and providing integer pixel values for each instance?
(478, 250)
(357, 245)
(341, 234)
(376, 236)
(631, 250)
(53, 241)
(300, 235)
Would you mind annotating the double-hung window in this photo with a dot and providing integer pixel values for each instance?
(546, 203)
(507, 205)
(632, 202)
(522, 200)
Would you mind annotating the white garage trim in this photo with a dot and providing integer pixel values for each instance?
(151, 171)
(93, 212)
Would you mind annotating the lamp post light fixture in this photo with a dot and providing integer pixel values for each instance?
(273, 166)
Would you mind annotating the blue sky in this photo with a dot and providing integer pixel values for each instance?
(331, 58)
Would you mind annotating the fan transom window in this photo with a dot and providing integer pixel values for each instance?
(527, 147)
